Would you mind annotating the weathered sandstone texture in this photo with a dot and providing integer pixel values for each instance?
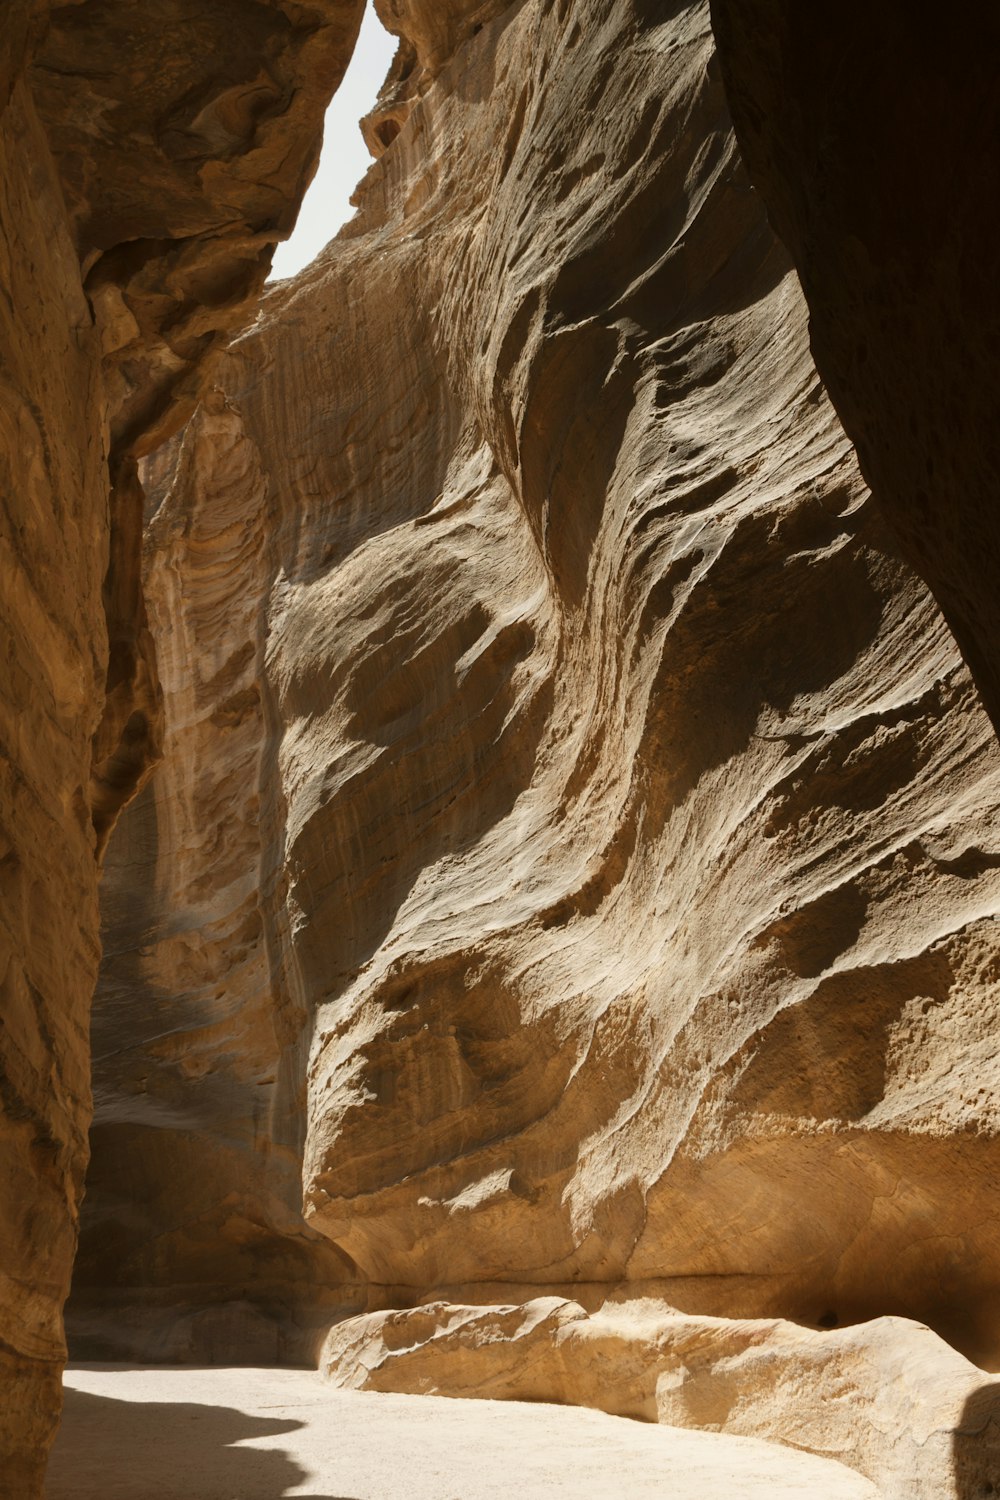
(149, 157)
(53, 554)
(198, 1042)
(888, 1398)
(577, 848)
(874, 136)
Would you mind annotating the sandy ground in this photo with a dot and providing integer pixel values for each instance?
(236, 1434)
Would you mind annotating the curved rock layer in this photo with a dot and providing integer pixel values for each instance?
(604, 807)
(148, 162)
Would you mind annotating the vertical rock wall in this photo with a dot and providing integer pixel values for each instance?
(149, 161)
(570, 887)
(873, 134)
(619, 817)
(197, 1032)
(53, 553)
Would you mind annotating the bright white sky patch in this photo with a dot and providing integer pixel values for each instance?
(345, 158)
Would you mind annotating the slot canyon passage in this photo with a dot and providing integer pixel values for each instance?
(499, 824)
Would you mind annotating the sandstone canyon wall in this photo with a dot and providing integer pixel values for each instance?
(874, 137)
(561, 934)
(149, 161)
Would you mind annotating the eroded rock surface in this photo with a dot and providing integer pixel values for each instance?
(149, 160)
(619, 818)
(873, 135)
(198, 1044)
(887, 1398)
(53, 551)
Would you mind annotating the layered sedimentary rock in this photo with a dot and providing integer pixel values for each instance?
(149, 161)
(609, 824)
(873, 135)
(183, 141)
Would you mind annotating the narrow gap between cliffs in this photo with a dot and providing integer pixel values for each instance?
(345, 157)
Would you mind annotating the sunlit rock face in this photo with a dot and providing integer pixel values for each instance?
(578, 833)
(149, 161)
(887, 1398)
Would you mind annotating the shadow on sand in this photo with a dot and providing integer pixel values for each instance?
(977, 1446)
(134, 1450)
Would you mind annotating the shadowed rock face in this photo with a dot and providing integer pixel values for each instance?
(148, 161)
(613, 817)
(872, 134)
(183, 139)
(197, 1037)
(54, 547)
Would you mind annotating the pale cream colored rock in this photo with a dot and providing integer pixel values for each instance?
(887, 1398)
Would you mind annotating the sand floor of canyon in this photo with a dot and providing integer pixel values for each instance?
(259, 1434)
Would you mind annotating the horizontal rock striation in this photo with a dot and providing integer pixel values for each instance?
(619, 817)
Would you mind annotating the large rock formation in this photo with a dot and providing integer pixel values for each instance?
(197, 1036)
(149, 161)
(576, 820)
(874, 135)
(54, 547)
(887, 1398)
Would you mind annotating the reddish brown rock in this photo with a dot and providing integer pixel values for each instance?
(149, 162)
(53, 552)
(627, 858)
